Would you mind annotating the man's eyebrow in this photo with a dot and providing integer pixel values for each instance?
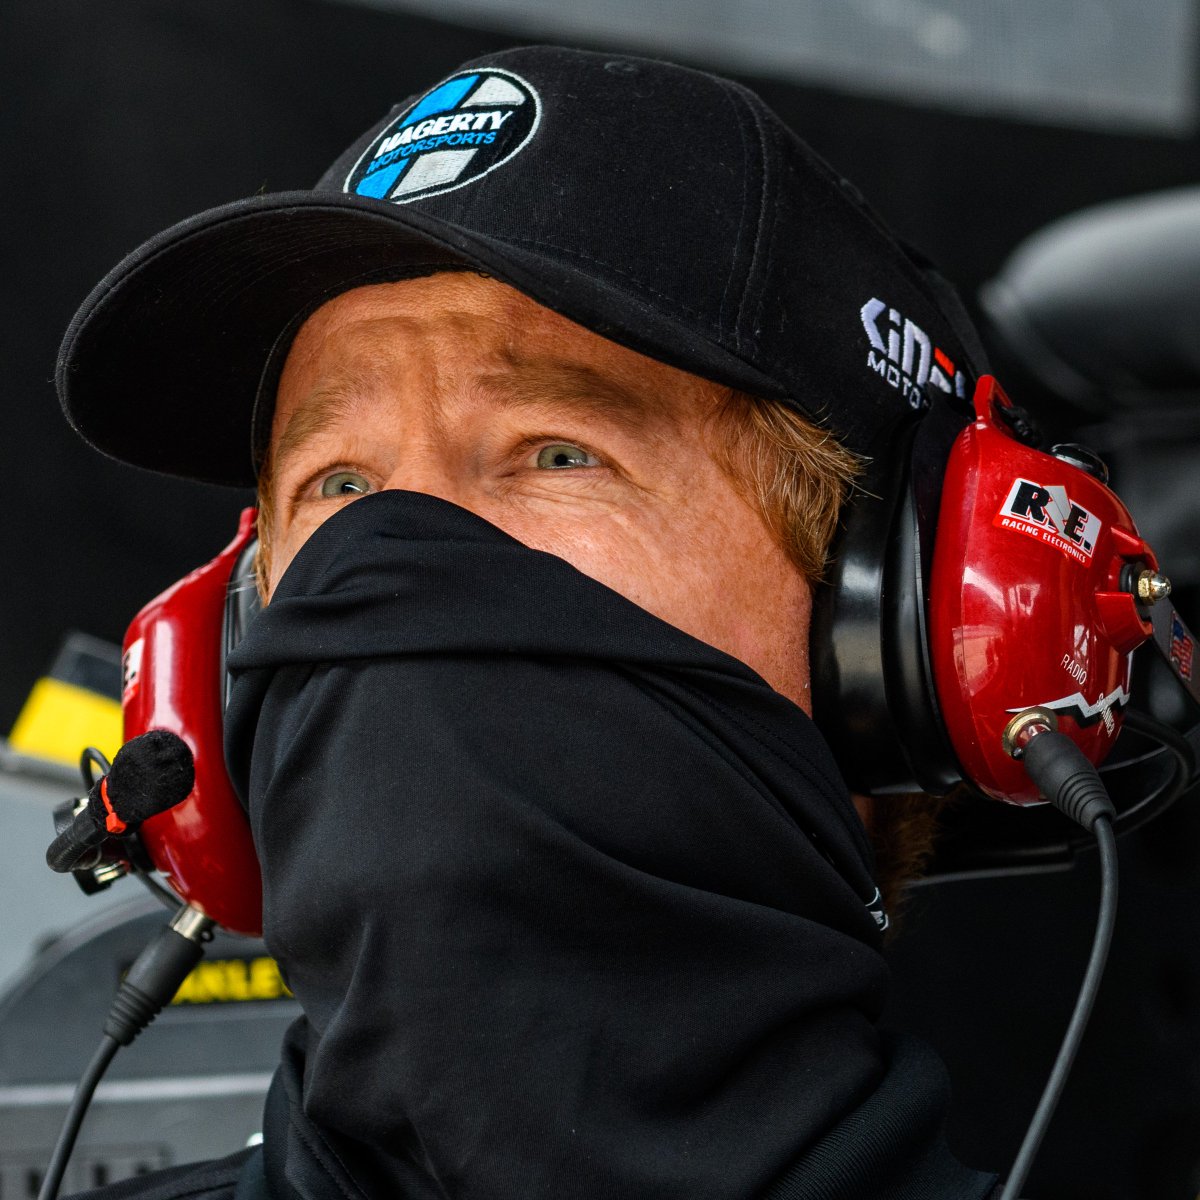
(323, 408)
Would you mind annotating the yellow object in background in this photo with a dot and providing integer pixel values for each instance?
(59, 720)
(233, 981)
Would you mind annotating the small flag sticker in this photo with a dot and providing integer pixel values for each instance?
(1182, 647)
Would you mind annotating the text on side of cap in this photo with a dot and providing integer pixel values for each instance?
(455, 133)
(904, 356)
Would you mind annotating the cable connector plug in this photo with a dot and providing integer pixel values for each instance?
(1066, 777)
(152, 981)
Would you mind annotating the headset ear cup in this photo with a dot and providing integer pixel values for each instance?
(908, 668)
(850, 704)
(909, 678)
(872, 678)
(175, 653)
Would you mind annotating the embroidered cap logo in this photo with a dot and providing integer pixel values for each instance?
(468, 125)
(904, 356)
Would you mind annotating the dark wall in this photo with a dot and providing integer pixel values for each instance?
(118, 120)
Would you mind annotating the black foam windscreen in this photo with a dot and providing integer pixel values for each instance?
(150, 773)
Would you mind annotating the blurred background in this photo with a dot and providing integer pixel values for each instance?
(972, 126)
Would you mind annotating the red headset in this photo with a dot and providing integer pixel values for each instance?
(976, 577)
(173, 678)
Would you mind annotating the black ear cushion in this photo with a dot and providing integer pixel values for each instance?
(872, 678)
(242, 605)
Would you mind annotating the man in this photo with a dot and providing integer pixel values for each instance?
(551, 389)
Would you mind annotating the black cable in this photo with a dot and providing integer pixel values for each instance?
(91, 757)
(1159, 731)
(1182, 776)
(52, 1180)
(979, 842)
(1052, 1092)
(1071, 783)
(165, 897)
(148, 985)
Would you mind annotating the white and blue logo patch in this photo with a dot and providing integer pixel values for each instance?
(465, 127)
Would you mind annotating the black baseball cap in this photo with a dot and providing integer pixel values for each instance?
(661, 207)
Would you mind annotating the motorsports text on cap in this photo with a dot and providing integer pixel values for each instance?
(460, 130)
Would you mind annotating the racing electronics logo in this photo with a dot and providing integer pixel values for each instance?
(1047, 514)
(903, 354)
(468, 125)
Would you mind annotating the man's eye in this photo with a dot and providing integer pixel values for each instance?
(344, 483)
(560, 455)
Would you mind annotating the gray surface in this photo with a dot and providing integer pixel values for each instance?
(190, 1087)
(1119, 64)
(37, 905)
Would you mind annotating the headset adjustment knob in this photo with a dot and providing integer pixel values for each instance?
(1152, 587)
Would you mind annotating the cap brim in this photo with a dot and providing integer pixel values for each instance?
(162, 364)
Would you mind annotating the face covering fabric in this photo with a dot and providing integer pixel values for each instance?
(575, 904)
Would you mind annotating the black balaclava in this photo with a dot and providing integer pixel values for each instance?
(575, 904)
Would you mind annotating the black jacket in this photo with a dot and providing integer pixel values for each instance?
(890, 1148)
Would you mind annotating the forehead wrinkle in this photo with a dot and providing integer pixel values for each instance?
(576, 386)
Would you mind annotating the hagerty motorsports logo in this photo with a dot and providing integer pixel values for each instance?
(462, 129)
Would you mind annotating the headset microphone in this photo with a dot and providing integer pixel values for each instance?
(149, 775)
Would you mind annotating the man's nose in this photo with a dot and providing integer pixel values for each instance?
(432, 473)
